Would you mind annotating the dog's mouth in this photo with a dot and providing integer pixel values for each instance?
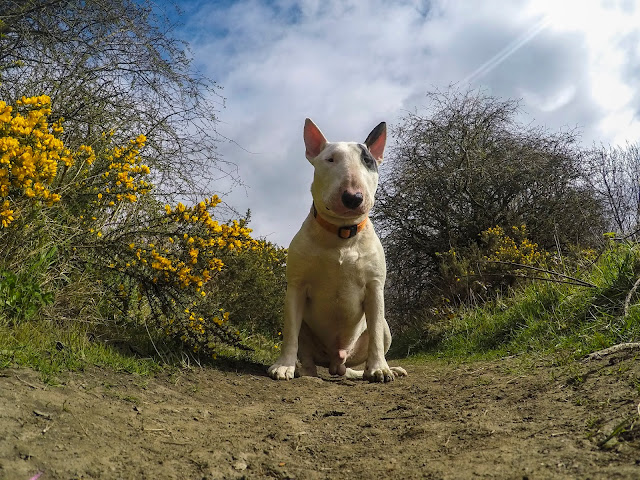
(345, 213)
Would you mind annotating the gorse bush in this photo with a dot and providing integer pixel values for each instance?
(483, 270)
(252, 287)
(30, 155)
(515, 248)
(152, 264)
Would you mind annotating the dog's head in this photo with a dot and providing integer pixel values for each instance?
(346, 173)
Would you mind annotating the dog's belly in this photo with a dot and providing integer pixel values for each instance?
(334, 310)
(334, 338)
(334, 319)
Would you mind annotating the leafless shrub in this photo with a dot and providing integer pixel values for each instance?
(462, 166)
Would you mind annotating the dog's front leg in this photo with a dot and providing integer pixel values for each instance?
(285, 366)
(376, 368)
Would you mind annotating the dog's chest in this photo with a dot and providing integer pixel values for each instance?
(347, 265)
(334, 275)
(338, 278)
(348, 259)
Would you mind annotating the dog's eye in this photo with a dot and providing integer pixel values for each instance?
(330, 159)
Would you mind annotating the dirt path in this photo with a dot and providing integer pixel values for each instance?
(492, 420)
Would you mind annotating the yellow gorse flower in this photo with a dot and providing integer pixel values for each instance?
(6, 214)
(30, 154)
(514, 248)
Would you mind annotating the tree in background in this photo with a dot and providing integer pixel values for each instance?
(614, 176)
(113, 65)
(467, 165)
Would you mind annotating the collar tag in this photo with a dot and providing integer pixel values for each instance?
(348, 231)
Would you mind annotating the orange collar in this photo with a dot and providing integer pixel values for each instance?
(348, 231)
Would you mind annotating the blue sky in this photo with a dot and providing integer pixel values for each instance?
(351, 64)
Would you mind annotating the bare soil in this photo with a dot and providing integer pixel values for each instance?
(480, 420)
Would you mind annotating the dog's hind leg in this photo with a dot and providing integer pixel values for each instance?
(306, 366)
(352, 374)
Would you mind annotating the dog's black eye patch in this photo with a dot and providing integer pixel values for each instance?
(367, 159)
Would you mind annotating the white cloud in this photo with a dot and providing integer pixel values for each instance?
(351, 64)
(604, 27)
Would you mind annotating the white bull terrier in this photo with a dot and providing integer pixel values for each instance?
(334, 305)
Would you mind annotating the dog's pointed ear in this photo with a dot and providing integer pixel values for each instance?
(314, 140)
(376, 141)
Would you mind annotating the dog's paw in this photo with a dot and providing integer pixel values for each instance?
(281, 372)
(382, 373)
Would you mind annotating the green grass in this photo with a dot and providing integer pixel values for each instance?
(565, 321)
(53, 350)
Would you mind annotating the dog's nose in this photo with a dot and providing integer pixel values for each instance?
(352, 200)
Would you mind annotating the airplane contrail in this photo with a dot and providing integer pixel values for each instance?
(507, 51)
